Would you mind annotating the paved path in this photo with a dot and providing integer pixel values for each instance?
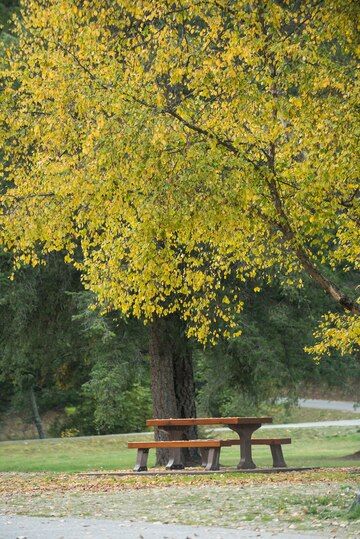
(16, 527)
(316, 424)
(328, 405)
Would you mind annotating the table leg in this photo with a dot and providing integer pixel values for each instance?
(245, 432)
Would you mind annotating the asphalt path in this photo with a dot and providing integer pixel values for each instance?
(316, 424)
(22, 527)
(329, 405)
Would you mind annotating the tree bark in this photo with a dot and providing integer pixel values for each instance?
(172, 380)
(36, 415)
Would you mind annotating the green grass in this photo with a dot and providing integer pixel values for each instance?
(310, 447)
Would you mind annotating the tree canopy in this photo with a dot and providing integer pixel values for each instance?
(170, 146)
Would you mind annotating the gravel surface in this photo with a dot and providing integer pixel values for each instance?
(21, 527)
(270, 509)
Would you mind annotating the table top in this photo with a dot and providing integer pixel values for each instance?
(190, 421)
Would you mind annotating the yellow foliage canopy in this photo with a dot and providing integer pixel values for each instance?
(167, 146)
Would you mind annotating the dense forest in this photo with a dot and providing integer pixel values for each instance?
(60, 352)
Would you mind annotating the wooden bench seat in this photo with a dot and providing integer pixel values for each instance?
(178, 443)
(209, 449)
(210, 458)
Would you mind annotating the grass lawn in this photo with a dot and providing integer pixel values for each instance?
(323, 447)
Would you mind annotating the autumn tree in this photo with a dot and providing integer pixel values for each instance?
(168, 147)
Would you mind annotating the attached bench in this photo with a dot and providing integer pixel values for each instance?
(210, 459)
(275, 447)
(210, 451)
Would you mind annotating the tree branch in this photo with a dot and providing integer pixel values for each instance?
(228, 144)
(328, 286)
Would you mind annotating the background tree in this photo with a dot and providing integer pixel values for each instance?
(117, 389)
(57, 354)
(38, 341)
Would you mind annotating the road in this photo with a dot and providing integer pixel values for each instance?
(328, 405)
(316, 424)
(22, 527)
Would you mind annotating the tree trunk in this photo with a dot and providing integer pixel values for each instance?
(36, 415)
(172, 380)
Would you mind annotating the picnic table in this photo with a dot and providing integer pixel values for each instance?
(243, 426)
(210, 449)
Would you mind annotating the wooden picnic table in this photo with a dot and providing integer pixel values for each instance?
(243, 426)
